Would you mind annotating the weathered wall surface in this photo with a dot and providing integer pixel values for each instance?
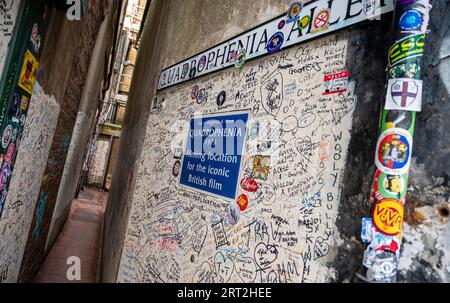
(24, 196)
(232, 16)
(82, 47)
(155, 252)
(40, 126)
(277, 238)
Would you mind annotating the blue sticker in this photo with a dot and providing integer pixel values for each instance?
(366, 230)
(294, 12)
(275, 42)
(411, 20)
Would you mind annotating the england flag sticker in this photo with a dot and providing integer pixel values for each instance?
(404, 94)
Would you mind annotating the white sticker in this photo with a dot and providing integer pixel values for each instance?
(404, 94)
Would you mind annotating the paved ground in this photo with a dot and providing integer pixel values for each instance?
(80, 237)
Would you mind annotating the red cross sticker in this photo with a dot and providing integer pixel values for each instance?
(322, 19)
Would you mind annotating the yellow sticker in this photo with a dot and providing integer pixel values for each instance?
(387, 216)
(28, 74)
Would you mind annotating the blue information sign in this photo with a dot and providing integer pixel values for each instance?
(213, 155)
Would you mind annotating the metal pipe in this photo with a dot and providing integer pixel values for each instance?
(383, 230)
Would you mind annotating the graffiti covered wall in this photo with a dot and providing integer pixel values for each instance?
(287, 231)
(25, 183)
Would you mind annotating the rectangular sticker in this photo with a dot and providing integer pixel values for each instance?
(407, 48)
(336, 83)
(404, 94)
(28, 74)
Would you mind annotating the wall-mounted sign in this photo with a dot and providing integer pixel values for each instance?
(213, 156)
(342, 14)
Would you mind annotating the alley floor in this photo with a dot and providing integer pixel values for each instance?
(81, 237)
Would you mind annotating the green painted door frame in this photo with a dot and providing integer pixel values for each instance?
(17, 83)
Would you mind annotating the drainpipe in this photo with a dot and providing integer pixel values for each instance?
(107, 162)
(382, 231)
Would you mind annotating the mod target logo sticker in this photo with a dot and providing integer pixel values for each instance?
(387, 216)
(394, 151)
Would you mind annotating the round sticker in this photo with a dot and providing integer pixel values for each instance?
(10, 153)
(322, 19)
(202, 96)
(249, 184)
(201, 63)
(294, 11)
(176, 168)
(6, 138)
(240, 58)
(303, 23)
(221, 98)
(394, 151)
(242, 202)
(233, 214)
(194, 93)
(390, 186)
(398, 119)
(387, 216)
(275, 42)
(411, 20)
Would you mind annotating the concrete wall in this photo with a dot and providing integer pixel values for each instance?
(327, 242)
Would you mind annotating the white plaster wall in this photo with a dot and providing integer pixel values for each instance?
(26, 179)
(290, 220)
(8, 16)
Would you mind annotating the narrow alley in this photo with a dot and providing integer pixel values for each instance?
(255, 142)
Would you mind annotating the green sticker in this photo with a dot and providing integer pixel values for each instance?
(391, 186)
(406, 48)
(409, 69)
(398, 119)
